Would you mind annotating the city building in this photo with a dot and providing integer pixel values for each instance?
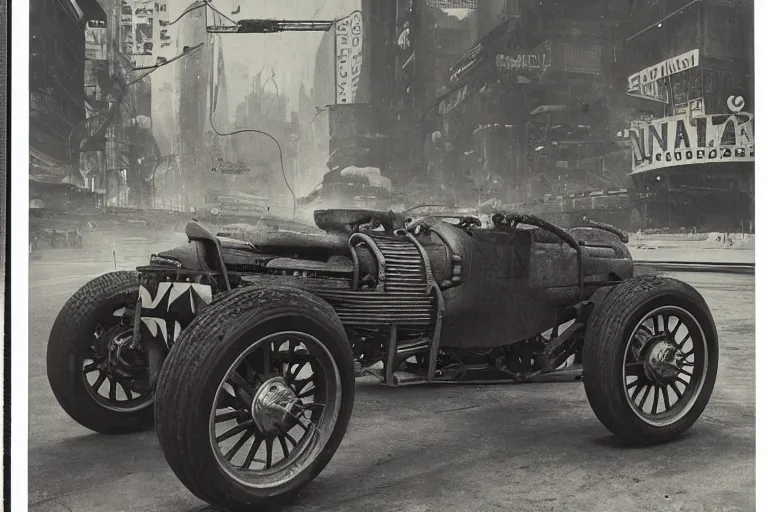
(57, 102)
(356, 121)
(688, 73)
(181, 180)
(632, 112)
(137, 30)
(528, 111)
(165, 105)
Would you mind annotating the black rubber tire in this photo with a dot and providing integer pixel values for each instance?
(71, 335)
(196, 365)
(608, 331)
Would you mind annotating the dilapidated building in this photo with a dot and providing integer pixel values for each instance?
(528, 110)
(688, 67)
(57, 101)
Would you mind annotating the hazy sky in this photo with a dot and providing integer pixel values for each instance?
(292, 55)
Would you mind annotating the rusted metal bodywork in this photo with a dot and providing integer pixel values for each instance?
(453, 297)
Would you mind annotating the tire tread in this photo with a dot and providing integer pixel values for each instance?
(66, 338)
(176, 392)
(604, 345)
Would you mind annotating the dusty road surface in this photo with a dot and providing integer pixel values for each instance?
(535, 447)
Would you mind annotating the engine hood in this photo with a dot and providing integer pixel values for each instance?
(340, 220)
(315, 245)
(293, 240)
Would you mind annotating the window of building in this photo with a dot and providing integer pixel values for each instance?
(686, 86)
(717, 85)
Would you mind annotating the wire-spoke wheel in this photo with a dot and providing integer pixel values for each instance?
(664, 365)
(275, 409)
(255, 397)
(98, 377)
(116, 373)
(650, 359)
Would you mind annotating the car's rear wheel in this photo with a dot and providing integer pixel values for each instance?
(650, 359)
(255, 397)
(98, 377)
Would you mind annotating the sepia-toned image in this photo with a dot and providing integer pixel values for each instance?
(391, 255)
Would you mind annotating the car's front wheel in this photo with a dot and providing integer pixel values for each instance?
(650, 359)
(255, 397)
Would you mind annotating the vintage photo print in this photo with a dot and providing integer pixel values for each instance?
(412, 255)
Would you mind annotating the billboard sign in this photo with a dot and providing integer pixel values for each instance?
(649, 83)
(529, 66)
(683, 140)
(349, 57)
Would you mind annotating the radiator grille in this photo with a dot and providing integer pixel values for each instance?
(379, 309)
(403, 301)
(405, 272)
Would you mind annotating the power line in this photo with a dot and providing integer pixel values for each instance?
(177, 57)
(207, 2)
(252, 130)
(189, 9)
(120, 99)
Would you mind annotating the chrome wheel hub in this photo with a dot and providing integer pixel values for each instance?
(275, 406)
(665, 365)
(662, 362)
(275, 409)
(115, 372)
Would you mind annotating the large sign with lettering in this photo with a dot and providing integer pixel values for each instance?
(537, 62)
(649, 83)
(349, 57)
(685, 140)
(526, 65)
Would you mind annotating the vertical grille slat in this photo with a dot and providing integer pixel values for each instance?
(404, 266)
(404, 299)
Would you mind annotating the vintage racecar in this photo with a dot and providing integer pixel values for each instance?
(242, 348)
